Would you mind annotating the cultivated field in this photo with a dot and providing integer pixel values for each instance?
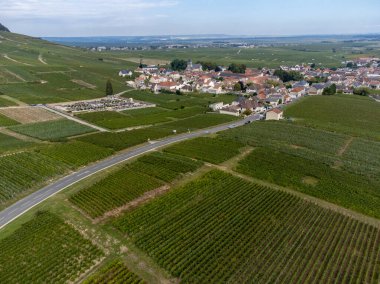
(122, 140)
(353, 115)
(6, 103)
(314, 178)
(52, 130)
(115, 272)
(146, 174)
(75, 153)
(8, 144)
(20, 172)
(5, 121)
(45, 250)
(114, 191)
(211, 150)
(222, 229)
(26, 115)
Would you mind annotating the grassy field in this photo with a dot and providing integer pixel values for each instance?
(314, 178)
(211, 150)
(114, 272)
(220, 229)
(353, 115)
(6, 103)
(52, 130)
(46, 250)
(28, 79)
(75, 153)
(9, 144)
(6, 121)
(22, 171)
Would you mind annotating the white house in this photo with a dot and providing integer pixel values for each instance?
(216, 106)
(125, 73)
(275, 114)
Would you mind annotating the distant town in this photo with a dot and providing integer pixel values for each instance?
(259, 89)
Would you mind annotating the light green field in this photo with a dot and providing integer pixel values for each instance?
(9, 144)
(52, 130)
(353, 115)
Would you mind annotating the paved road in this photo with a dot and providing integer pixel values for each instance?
(19, 208)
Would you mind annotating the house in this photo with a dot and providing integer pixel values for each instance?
(303, 84)
(230, 110)
(216, 106)
(297, 92)
(168, 86)
(125, 73)
(275, 114)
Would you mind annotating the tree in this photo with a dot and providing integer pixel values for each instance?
(288, 76)
(178, 65)
(329, 91)
(109, 88)
(361, 92)
(237, 68)
(237, 87)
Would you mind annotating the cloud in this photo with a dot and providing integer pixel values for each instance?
(77, 9)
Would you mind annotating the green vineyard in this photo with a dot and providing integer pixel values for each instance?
(114, 191)
(164, 166)
(22, 171)
(45, 250)
(115, 272)
(211, 150)
(76, 153)
(313, 178)
(222, 229)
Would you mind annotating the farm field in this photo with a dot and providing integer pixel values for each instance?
(132, 181)
(75, 153)
(314, 178)
(45, 249)
(9, 143)
(131, 118)
(220, 228)
(115, 272)
(22, 171)
(197, 122)
(211, 150)
(353, 115)
(114, 191)
(52, 130)
(173, 101)
(164, 166)
(26, 115)
(122, 140)
(6, 103)
(5, 121)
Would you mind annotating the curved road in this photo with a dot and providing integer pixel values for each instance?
(19, 208)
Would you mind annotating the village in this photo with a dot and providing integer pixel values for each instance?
(259, 90)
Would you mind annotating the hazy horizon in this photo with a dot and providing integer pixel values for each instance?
(58, 18)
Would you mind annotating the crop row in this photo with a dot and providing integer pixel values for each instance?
(45, 250)
(115, 272)
(314, 178)
(221, 228)
(114, 191)
(21, 171)
(164, 166)
(211, 150)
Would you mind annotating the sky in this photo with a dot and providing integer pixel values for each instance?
(183, 17)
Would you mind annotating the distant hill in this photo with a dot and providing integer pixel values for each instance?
(3, 28)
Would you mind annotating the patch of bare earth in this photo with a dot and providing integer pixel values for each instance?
(134, 203)
(345, 147)
(84, 84)
(29, 114)
(312, 181)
